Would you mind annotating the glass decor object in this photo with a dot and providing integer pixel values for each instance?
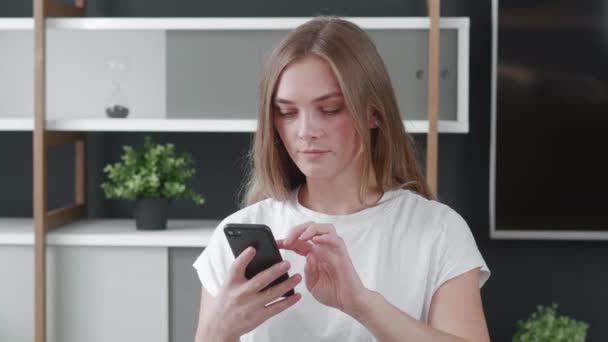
(117, 102)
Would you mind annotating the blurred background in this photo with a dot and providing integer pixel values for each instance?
(525, 272)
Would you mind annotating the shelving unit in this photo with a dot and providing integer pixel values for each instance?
(161, 89)
(157, 108)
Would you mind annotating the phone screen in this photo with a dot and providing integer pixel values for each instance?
(240, 236)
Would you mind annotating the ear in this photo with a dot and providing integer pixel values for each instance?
(372, 120)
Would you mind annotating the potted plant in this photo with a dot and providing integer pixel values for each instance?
(151, 175)
(545, 326)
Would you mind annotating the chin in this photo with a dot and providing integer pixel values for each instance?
(316, 172)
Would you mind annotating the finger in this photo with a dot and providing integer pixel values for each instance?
(317, 229)
(279, 306)
(237, 269)
(311, 271)
(279, 290)
(300, 247)
(295, 232)
(264, 278)
(331, 240)
(330, 251)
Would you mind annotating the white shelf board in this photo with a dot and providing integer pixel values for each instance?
(110, 232)
(184, 125)
(422, 126)
(224, 23)
(16, 124)
(152, 125)
(16, 231)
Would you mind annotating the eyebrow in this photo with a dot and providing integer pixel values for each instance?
(318, 99)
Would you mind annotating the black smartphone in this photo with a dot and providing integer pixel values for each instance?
(242, 235)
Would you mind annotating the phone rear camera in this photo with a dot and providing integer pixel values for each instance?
(233, 232)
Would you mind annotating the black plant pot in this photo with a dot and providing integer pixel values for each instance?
(151, 213)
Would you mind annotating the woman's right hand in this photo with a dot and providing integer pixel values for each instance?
(241, 305)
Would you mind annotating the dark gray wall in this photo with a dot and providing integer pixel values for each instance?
(525, 273)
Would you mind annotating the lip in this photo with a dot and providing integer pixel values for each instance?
(313, 151)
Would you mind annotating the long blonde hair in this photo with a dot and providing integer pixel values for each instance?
(366, 88)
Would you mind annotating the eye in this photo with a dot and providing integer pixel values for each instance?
(284, 112)
(331, 110)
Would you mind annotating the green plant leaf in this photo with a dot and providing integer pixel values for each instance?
(151, 170)
(545, 326)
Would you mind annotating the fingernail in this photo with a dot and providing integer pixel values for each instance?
(285, 265)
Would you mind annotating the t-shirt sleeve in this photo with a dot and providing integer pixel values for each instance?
(456, 251)
(214, 262)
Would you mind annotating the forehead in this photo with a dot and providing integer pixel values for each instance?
(306, 79)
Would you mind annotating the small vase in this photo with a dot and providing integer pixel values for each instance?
(117, 102)
(151, 213)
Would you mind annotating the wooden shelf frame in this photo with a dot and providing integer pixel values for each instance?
(432, 139)
(45, 220)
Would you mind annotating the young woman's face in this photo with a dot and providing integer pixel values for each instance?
(312, 120)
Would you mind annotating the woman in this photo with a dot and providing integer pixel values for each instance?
(336, 179)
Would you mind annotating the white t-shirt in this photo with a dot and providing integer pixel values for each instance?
(405, 248)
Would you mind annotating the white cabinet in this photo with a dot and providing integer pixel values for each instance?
(106, 281)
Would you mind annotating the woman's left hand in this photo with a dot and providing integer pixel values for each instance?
(329, 273)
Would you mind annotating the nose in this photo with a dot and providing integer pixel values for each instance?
(308, 127)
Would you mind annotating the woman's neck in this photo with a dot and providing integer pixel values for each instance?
(334, 198)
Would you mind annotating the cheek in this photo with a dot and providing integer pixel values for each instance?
(346, 133)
